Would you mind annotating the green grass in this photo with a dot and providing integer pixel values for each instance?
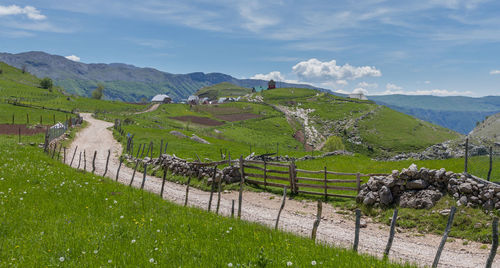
(54, 215)
(223, 89)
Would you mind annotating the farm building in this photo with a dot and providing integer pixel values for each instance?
(359, 96)
(204, 101)
(271, 84)
(193, 99)
(161, 98)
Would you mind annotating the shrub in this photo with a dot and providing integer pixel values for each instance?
(333, 143)
(1, 71)
(46, 83)
(97, 93)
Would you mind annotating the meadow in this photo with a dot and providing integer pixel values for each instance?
(54, 215)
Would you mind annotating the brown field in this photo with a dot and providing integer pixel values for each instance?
(9, 129)
(237, 117)
(198, 120)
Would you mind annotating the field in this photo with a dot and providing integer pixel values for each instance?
(54, 215)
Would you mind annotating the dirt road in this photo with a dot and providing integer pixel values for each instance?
(150, 109)
(297, 217)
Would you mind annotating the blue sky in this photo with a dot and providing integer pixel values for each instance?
(448, 47)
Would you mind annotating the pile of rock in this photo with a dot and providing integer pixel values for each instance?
(445, 150)
(182, 167)
(422, 188)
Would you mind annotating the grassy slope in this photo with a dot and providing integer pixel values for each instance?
(223, 89)
(489, 128)
(52, 214)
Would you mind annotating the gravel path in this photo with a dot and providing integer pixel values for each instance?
(150, 109)
(297, 217)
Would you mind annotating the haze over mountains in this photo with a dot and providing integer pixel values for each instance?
(122, 81)
(130, 83)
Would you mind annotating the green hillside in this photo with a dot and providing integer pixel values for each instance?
(223, 89)
(489, 129)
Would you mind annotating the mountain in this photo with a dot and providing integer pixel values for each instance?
(458, 113)
(488, 129)
(122, 82)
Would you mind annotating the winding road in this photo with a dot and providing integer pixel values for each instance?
(297, 217)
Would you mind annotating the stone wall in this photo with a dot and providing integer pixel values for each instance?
(422, 188)
(178, 166)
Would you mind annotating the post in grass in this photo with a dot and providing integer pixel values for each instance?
(356, 230)
(144, 175)
(93, 162)
(165, 170)
(283, 200)
(212, 189)
(107, 162)
(391, 233)
(317, 221)
(466, 155)
(445, 236)
(494, 245)
(118, 170)
(79, 160)
(133, 173)
(242, 180)
(187, 191)
(219, 189)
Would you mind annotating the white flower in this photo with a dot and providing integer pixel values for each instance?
(133, 241)
(229, 265)
(289, 263)
(150, 219)
(61, 259)
(158, 230)
(83, 252)
(313, 263)
(121, 217)
(96, 251)
(106, 199)
(110, 261)
(227, 232)
(156, 249)
(115, 201)
(21, 198)
(230, 228)
(151, 260)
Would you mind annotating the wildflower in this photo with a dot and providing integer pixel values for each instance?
(106, 199)
(151, 260)
(21, 198)
(156, 249)
(157, 230)
(121, 217)
(96, 251)
(133, 241)
(61, 259)
(227, 231)
(83, 252)
(229, 265)
(110, 261)
(230, 228)
(115, 201)
(313, 263)
(289, 263)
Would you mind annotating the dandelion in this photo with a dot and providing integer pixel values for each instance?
(133, 241)
(61, 259)
(289, 263)
(313, 263)
(151, 260)
(229, 265)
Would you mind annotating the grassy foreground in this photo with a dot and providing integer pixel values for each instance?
(54, 215)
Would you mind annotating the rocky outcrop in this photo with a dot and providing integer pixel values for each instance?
(178, 134)
(198, 139)
(445, 150)
(422, 188)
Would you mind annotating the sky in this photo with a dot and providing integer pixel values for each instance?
(426, 47)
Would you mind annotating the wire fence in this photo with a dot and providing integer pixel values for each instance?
(485, 164)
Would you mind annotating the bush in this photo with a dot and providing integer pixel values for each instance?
(333, 143)
(97, 93)
(1, 71)
(46, 83)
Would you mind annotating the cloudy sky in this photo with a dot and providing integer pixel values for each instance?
(448, 47)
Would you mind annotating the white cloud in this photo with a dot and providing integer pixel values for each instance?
(427, 82)
(341, 91)
(30, 11)
(392, 87)
(315, 70)
(275, 75)
(341, 82)
(360, 90)
(493, 72)
(434, 92)
(73, 58)
(367, 85)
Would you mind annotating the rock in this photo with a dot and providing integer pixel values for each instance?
(385, 196)
(419, 199)
(478, 225)
(178, 134)
(373, 184)
(388, 181)
(369, 199)
(412, 170)
(445, 212)
(362, 223)
(463, 200)
(198, 139)
(416, 185)
(465, 188)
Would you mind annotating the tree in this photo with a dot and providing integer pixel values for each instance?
(97, 93)
(333, 143)
(1, 71)
(46, 83)
(23, 68)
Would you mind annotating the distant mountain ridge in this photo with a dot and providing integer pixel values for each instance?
(458, 113)
(122, 81)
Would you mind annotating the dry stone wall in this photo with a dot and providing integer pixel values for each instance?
(422, 188)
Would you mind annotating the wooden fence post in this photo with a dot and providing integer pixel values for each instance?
(265, 174)
(166, 145)
(133, 174)
(151, 152)
(107, 162)
(294, 178)
(118, 170)
(219, 189)
(187, 191)
(466, 154)
(79, 160)
(64, 159)
(232, 208)
(73, 158)
(84, 161)
(165, 170)
(326, 186)
(491, 163)
(143, 147)
(391, 233)
(144, 175)
(149, 147)
(212, 189)
(53, 151)
(358, 182)
(93, 162)
(494, 245)
(59, 153)
(356, 230)
(27, 119)
(13, 119)
(161, 147)
(20, 135)
(317, 221)
(138, 150)
(445, 236)
(242, 180)
(283, 200)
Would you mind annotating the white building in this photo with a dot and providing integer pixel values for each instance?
(161, 98)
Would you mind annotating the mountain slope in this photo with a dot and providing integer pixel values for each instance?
(223, 89)
(488, 129)
(122, 82)
(458, 113)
